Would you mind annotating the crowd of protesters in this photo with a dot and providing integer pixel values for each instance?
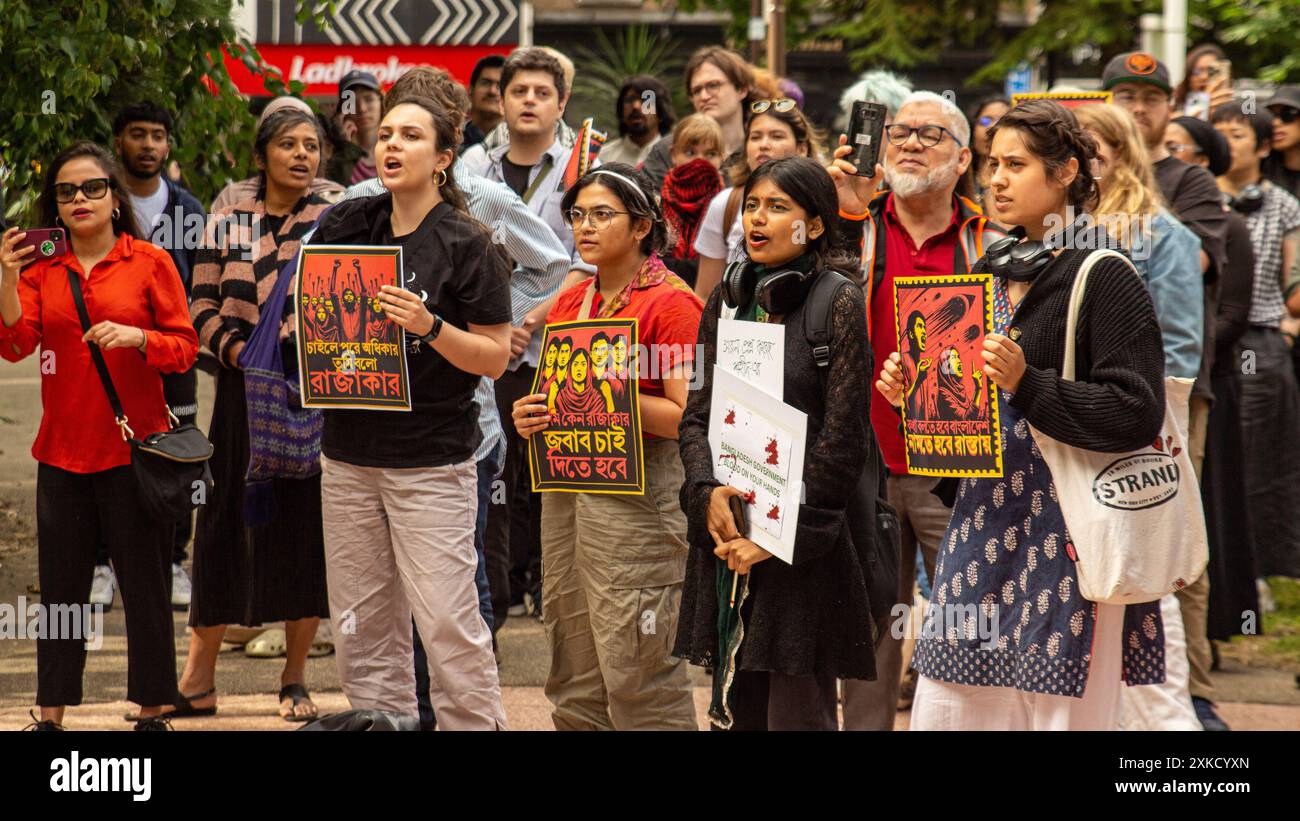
(394, 550)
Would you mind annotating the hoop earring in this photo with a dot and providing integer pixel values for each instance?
(117, 213)
(58, 221)
(443, 181)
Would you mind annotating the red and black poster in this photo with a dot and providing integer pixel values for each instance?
(588, 373)
(950, 416)
(350, 355)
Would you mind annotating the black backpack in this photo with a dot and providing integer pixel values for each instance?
(873, 522)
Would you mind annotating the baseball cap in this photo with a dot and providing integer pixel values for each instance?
(1285, 96)
(358, 79)
(1136, 67)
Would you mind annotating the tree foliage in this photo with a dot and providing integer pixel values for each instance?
(69, 66)
(1260, 36)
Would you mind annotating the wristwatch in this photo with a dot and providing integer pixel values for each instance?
(434, 331)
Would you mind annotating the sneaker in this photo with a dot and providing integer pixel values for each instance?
(180, 588)
(103, 587)
(39, 726)
(1210, 721)
(1267, 604)
(517, 610)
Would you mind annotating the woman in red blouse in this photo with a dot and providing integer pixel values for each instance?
(86, 493)
(613, 565)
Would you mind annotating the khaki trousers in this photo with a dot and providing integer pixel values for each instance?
(612, 572)
(923, 520)
(399, 543)
(1194, 600)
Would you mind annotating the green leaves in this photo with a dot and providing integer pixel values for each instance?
(90, 64)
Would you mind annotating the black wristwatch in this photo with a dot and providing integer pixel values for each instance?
(434, 331)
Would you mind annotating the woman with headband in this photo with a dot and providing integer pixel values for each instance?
(613, 565)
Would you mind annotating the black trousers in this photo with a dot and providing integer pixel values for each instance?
(75, 513)
(775, 701)
(509, 522)
(181, 390)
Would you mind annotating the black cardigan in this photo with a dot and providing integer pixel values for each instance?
(1117, 401)
(812, 616)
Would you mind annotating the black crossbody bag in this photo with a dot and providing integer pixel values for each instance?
(171, 467)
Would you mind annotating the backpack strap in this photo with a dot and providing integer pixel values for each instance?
(817, 316)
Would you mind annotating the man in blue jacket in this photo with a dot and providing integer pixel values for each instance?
(171, 218)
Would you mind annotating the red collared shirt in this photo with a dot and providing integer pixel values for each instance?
(136, 285)
(668, 321)
(903, 259)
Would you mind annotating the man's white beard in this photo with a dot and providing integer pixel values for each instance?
(910, 185)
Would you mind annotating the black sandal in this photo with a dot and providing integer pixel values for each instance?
(184, 708)
(299, 694)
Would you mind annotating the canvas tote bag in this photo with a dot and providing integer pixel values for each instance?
(1135, 519)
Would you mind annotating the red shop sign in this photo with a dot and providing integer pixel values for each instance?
(320, 68)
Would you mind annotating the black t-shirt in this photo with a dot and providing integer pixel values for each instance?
(1196, 201)
(516, 175)
(451, 259)
(1276, 172)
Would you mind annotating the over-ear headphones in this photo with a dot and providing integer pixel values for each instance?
(1016, 258)
(780, 294)
(1248, 200)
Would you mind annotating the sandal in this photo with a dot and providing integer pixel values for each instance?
(183, 708)
(270, 645)
(298, 694)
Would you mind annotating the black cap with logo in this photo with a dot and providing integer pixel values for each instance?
(1136, 67)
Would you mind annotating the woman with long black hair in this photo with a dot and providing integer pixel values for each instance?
(804, 624)
(86, 492)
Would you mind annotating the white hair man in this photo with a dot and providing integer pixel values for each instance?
(920, 227)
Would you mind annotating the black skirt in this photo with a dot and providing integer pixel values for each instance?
(245, 575)
(1227, 517)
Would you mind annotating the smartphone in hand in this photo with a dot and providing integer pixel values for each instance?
(866, 130)
(49, 242)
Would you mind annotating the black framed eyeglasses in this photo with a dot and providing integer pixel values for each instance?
(93, 189)
(600, 217)
(781, 106)
(929, 135)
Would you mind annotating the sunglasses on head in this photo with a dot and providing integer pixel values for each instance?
(780, 106)
(93, 189)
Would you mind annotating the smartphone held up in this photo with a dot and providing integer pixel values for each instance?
(866, 131)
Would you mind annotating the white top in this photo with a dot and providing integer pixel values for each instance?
(709, 241)
(624, 150)
(148, 209)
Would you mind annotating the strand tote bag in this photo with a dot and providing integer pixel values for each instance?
(1135, 519)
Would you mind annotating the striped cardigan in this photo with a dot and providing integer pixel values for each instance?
(233, 276)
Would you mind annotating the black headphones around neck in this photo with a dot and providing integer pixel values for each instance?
(779, 294)
(1016, 258)
(1021, 260)
(1248, 200)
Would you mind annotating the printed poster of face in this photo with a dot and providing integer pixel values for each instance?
(350, 355)
(950, 419)
(588, 373)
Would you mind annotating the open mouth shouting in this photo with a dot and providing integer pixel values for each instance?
(757, 240)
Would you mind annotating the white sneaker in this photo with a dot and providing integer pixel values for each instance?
(517, 610)
(1267, 604)
(180, 588)
(103, 586)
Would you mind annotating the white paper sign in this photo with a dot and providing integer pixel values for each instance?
(754, 351)
(757, 443)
